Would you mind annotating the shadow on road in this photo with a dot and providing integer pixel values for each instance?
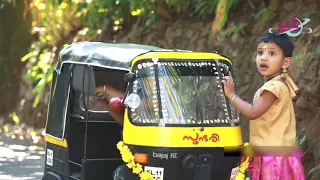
(20, 160)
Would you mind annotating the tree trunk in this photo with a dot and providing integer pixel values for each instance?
(15, 39)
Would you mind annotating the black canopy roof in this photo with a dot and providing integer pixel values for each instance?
(113, 56)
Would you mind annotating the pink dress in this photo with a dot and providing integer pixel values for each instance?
(276, 129)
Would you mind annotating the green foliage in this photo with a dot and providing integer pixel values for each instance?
(315, 169)
(205, 8)
(233, 29)
(15, 118)
(221, 15)
(307, 14)
(178, 5)
(299, 142)
(226, 12)
(59, 22)
(266, 14)
(305, 56)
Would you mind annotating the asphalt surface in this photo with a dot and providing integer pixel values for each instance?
(20, 160)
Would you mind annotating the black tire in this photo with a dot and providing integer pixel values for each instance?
(124, 173)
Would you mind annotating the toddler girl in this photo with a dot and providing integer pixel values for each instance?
(272, 119)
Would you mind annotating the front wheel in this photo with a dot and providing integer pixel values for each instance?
(124, 173)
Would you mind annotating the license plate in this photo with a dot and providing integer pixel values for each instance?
(156, 172)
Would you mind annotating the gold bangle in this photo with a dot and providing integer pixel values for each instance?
(233, 98)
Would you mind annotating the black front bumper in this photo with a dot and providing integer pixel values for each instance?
(189, 163)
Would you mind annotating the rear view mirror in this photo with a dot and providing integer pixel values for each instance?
(130, 77)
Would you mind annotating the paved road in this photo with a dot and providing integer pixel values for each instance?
(19, 160)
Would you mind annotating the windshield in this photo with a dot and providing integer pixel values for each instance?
(182, 93)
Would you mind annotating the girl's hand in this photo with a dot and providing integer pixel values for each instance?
(228, 86)
(250, 111)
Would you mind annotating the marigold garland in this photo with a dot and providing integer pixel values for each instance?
(128, 158)
(243, 166)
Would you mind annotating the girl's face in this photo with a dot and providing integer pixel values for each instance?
(270, 60)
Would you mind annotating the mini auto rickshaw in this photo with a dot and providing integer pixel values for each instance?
(178, 124)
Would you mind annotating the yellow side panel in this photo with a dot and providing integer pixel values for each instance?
(52, 140)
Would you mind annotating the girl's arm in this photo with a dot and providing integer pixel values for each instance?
(250, 111)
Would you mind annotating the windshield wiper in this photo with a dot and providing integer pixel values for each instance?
(199, 108)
